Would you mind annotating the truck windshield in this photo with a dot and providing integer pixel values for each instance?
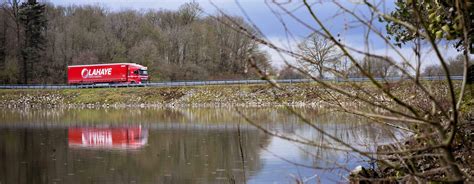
(143, 72)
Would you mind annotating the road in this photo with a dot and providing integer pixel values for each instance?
(206, 83)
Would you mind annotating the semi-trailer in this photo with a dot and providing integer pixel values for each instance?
(127, 73)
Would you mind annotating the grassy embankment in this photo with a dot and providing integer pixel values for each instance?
(229, 95)
(257, 95)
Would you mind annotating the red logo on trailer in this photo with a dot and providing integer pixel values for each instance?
(86, 73)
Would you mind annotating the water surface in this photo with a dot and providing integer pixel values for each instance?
(207, 145)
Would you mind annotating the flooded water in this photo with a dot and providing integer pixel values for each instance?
(208, 145)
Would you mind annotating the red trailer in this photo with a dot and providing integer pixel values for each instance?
(129, 73)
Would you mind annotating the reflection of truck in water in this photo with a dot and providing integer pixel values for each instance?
(107, 138)
(129, 73)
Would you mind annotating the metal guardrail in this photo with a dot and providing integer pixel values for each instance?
(204, 83)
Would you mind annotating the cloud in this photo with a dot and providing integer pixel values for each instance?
(279, 59)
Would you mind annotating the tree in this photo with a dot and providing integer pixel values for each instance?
(3, 37)
(320, 53)
(33, 18)
(10, 38)
(189, 12)
(379, 67)
(433, 70)
(443, 20)
(455, 67)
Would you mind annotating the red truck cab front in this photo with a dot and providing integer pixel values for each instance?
(137, 74)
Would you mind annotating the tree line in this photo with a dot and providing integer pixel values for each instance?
(38, 42)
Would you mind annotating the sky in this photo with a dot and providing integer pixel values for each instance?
(262, 14)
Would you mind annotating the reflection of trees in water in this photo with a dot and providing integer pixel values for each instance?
(171, 156)
(147, 115)
(23, 115)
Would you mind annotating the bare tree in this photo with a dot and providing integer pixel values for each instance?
(320, 53)
(432, 70)
(454, 65)
(377, 67)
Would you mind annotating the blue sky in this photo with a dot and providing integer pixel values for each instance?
(260, 13)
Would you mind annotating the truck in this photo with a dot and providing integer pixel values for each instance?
(112, 73)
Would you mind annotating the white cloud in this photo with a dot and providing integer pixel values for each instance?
(278, 58)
